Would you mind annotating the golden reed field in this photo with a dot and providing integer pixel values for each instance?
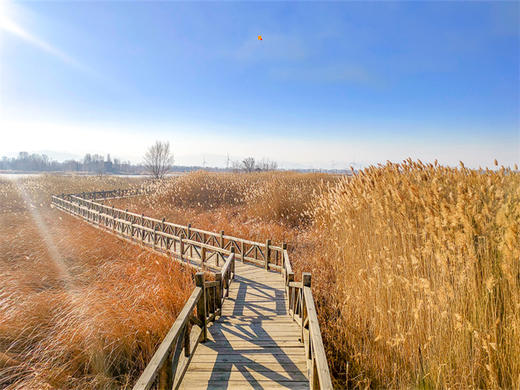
(416, 274)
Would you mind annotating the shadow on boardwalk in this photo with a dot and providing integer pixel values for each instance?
(255, 343)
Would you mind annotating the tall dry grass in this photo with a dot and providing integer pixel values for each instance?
(423, 267)
(415, 268)
(274, 205)
(78, 308)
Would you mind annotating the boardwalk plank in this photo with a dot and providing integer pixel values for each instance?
(245, 375)
(259, 367)
(222, 385)
(255, 343)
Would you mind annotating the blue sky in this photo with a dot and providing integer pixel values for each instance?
(330, 84)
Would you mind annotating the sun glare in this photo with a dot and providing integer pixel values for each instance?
(6, 22)
(3, 12)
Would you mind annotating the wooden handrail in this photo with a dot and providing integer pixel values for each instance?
(251, 251)
(287, 262)
(138, 231)
(228, 274)
(303, 310)
(229, 265)
(319, 368)
(154, 220)
(164, 369)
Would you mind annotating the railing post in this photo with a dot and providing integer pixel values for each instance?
(222, 246)
(163, 226)
(284, 271)
(113, 219)
(306, 282)
(232, 265)
(220, 287)
(290, 279)
(142, 229)
(267, 253)
(189, 238)
(210, 298)
(203, 256)
(314, 378)
(181, 249)
(201, 305)
(187, 346)
(165, 375)
(242, 250)
(154, 235)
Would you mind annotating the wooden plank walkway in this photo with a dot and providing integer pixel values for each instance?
(255, 343)
(265, 333)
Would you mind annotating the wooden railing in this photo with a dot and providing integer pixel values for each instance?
(186, 243)
(169, 363)
(163, 237)
(196, 247)
(303, 311)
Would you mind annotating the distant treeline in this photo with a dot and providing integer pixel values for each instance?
(98, 164)
(92, 163)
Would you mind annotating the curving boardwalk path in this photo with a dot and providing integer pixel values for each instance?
(258, 337)
(255, 344)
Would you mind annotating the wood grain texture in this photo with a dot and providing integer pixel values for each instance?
(255, 343)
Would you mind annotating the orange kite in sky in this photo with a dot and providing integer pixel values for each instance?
(259, 37)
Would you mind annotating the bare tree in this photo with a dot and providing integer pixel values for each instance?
(267, 165)
(236, 166)
(249, 164)
(158, 159)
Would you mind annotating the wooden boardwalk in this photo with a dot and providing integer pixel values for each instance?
(252, 327)
(255, 343)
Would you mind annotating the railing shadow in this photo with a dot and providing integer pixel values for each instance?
(260, 291)
(244, 359)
